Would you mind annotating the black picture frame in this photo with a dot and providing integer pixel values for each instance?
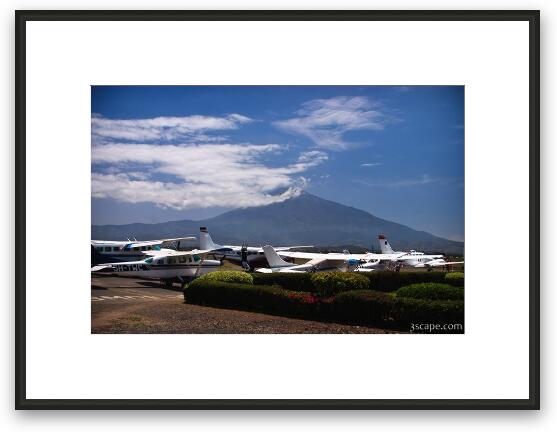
(531, 16)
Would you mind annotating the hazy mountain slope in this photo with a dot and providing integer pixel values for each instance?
(306, 219)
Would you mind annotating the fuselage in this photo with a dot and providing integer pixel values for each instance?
(163, 267)
(121, 251)
(253, 255)
(303, 268)
(414, 259)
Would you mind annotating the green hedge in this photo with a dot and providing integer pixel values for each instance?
(324, 283)
(388, 281)
(431, 291)
(455, 278)
(259, 298)
(329, 283)
(288, 281)
(227, 276)
(365, 307)
(361, 307)
(380, 309)
(407, 312)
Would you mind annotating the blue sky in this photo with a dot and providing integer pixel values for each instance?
(168, 153)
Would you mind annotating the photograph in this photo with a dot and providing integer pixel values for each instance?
(277, 209)
(286, 218)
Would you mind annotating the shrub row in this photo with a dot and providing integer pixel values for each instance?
(259, 298)
(455, 278)
(231, 276)
(328, 283)
(324, 283)
(362, 307)
(288, 281)
(431, 291)
(388, 281)
(381, 309)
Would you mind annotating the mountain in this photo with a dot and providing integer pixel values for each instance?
(305, 219)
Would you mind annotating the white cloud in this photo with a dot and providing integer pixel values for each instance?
(371, 164)
(325, 121)
(163, 128)
(313, 156)
(424, 179)
(204, 175)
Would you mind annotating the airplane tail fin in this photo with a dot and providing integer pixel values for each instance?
(205, 240)
(384, 245)
(273, 258)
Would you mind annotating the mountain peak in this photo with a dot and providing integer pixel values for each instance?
(300, 218)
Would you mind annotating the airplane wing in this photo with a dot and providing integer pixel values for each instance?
(326, 262)
(329, 256)
(99, 268)
(340, 256)
(437, 264)
(287, 248)
(316, 263)
(156, 242)
(384, 256)
(173, 253)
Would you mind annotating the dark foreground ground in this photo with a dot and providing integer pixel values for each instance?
(128, 305)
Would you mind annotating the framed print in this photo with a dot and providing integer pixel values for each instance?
(279, 209)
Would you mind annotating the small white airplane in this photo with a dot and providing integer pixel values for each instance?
(413, 258)
(247, 256)
(167, 265)
(323, 261)
(278, 265)
(131, 250)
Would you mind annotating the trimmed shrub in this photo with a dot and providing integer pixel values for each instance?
(329, 283)
(388, 281)
(227, 276)
(325, 283)
(409, 311)
(455, 278)
(366, 307)
(288, 281)
(361, 307)
(431, 291)
(259, 298)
